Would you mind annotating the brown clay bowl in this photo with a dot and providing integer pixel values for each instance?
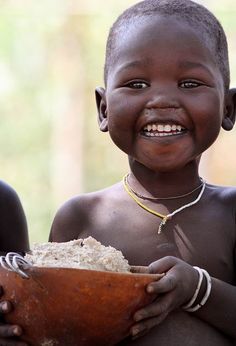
(70, 307)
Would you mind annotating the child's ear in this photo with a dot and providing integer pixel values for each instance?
(230, 110)
(101, 108)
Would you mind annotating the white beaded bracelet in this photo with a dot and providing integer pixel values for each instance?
(192, 301)
(206, 296)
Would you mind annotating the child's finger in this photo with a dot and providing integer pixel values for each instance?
(9, 331)
(162, 265)
(5, 307)
(8, 342)
(166, 284)
(141, 329)
(159, 307)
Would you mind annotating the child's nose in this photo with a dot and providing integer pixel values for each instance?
(163, 99)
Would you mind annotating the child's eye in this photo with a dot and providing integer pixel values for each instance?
(189, 84)
(137, 85)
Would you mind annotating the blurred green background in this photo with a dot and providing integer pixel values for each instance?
(51, 59)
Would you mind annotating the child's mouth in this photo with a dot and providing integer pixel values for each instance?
(161, 130)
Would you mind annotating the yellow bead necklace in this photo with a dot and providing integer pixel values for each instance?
(164, 218)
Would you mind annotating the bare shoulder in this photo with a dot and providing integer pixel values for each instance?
(226, 194)
(13, 225)
(10, 204)
(222, 200)
(7, 193)
(72, 219)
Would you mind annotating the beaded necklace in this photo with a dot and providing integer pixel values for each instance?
(167, 217)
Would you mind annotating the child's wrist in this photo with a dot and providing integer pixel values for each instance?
(201, 293)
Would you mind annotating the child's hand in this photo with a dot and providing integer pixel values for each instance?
(7, 332)
(174, 290)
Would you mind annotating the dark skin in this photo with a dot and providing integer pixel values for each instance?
(13, 238)
(137, 237)
(149, 86)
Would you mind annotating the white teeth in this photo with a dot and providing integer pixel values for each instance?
(161, 130)
(162, 134)
(167, 128)
(179, 128)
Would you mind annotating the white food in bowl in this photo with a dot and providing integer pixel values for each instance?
(81, 253)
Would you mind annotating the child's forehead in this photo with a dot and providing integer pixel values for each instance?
(158, 26)
(195, 17)
(161, 33)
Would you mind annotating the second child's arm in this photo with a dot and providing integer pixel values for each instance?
(13, 238)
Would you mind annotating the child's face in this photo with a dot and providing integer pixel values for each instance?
(165, 94)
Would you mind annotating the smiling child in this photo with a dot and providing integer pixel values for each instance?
(165, 100)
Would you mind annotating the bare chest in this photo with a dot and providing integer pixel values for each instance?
(200, 237)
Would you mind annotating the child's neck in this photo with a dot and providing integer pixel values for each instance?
(168, 184)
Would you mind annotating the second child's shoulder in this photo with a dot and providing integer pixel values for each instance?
(7, 193)
(10, 205)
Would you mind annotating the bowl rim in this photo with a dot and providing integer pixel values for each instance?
(136, 271)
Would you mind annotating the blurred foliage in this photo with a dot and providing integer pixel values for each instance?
(51, 59)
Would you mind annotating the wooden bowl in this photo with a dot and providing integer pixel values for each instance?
(69, 307)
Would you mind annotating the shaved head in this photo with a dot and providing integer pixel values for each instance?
(195, 15)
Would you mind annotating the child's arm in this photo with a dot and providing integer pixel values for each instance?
(177, 288)
(13, 237)
(68, 222)
(13, 225)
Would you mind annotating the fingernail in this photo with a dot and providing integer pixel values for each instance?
(138, 332)
(138, 317)
(135, 331)
(17, 331)
(150, 289)
(4, 306)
